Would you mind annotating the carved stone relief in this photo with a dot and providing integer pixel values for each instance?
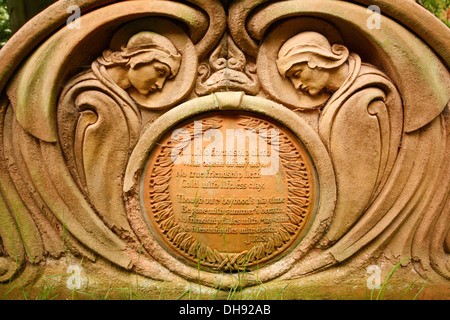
(227, 69)
(88, 127)
(227, 212)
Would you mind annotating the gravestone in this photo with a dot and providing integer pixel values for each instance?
(294, 149)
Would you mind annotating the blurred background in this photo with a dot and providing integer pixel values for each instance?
(15, 13)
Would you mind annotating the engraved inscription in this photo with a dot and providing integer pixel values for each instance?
(229, 191)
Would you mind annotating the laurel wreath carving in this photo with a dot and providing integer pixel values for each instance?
(298, 204)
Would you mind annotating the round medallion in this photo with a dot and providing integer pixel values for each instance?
(229, 190)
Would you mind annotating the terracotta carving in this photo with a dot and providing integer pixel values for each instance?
(227, 69)
(342, 84)
(86, 173)
(312, 64)
(140, 68)
(211, 219)
(144, 64)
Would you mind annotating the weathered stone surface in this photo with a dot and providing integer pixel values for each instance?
(234, 203)
(289, 144)
(21, 11)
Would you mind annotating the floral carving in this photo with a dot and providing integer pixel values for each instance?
(312, 64)
(300, 203)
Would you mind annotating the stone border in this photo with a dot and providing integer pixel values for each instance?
(325, 180)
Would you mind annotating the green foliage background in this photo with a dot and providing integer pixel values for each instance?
(437, 7)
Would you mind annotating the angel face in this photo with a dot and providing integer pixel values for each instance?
(149, 77)
(311, 80)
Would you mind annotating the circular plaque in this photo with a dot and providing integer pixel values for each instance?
(229, 190)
